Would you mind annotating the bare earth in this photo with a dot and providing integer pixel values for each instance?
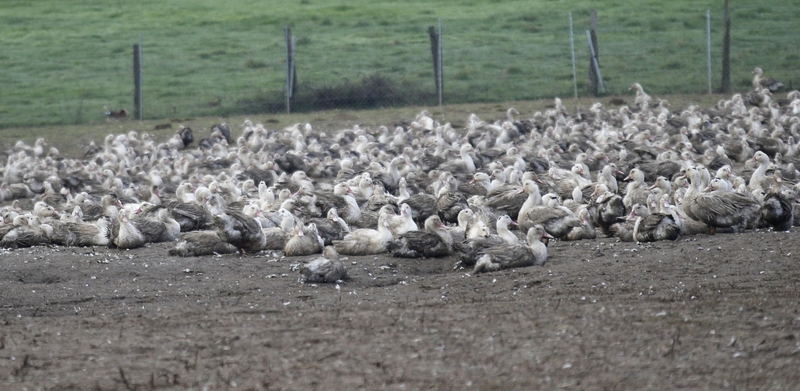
(705, 312)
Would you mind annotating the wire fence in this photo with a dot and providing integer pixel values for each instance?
(665, 54)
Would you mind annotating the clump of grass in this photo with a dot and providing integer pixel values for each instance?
(513, 70)
(373, 91)
(674, 64)
(255, 64)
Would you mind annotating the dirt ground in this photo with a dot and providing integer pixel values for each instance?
(705, 312)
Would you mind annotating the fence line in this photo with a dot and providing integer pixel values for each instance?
(486, 68)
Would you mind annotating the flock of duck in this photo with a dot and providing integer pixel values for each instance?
(493, 192)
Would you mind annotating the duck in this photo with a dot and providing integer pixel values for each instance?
(108, 206)
(585, 230)
(324, 269)
(379, 198)
(403, 222)
(85, 234)
(432, 242)
(511, 198)
(450, 202)
(245, 233)
(719, 209)
(777, 212)
(365, 241)
(557, 221)
(609, 207)
(758, 179)
(332, 227)
(459, 231)
(760, 82)
(637, 190)
(25, 233)
(200, 243)
(162, 228)
(506, 256)
(642, 99)
(651, 227)
(305, 241)
(464, 165)
(470, 250)
(128, 236)
(277, 236)
(608, 179)
(343, 200)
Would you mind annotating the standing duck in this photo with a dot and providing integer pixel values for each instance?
(506, 256)
(642, 99)
(327, 268)
(764, 82)
(434, 241)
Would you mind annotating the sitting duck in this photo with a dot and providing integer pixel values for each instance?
(507, 256)
(327, 268)
(434, 241)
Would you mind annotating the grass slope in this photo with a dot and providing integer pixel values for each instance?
(63, 62)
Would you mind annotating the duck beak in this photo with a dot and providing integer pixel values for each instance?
(514, 223)
(547, 235)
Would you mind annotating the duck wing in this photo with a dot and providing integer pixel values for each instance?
(505, 256)
(329, 230)
(777, 212)
(418, 244)
(449, 205)
(199, 243)
(422, 206)
(556, 221)
(324, 270)
(508, 201)
(658, 226)
(241, 231)
(151, 229)
(191, 216)
(471, 249)
(722, 209)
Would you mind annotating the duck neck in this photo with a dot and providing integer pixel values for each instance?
(468, 161)
(636, 228)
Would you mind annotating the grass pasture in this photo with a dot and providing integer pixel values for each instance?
(64, 62)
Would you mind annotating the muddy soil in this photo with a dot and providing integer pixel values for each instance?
(705, 312)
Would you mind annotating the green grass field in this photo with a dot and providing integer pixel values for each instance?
(64, 62)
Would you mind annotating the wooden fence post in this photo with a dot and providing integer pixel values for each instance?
(291, 73)
(726, 54)
(137, 82)
(594, 62)
(572, 49)
(436, 52)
